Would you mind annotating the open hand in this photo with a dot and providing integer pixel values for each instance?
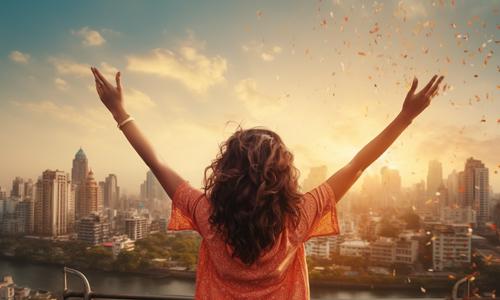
(415, 103)
(110, 95)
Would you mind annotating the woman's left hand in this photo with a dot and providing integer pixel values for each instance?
(110, 95)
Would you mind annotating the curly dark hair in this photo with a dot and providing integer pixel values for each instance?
(253, 187)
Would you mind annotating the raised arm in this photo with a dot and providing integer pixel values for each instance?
(112, 98)
(413, 105)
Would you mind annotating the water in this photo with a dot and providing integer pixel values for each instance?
(48, 277)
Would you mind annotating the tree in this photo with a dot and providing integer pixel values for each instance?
(411, 219)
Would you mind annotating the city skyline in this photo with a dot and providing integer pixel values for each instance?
(327, 84)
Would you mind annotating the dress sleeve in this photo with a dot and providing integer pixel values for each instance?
(318, 214)
(184, 204)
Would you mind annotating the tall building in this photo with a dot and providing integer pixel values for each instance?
(315, 177)
(434, 177)
(79, 172)
(80, 168)
(25, 214)
(451, 246)
(53, 192)
(93, 229)
(88, 193)
(453, 187)
(3, 194)
(391, 186)
(100, 195)
(17, 188)
(151, 188)
(476, 189)
(111, 192)
(136, 228)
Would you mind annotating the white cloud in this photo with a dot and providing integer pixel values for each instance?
(137, 100)
(265, 53)
(256, 102)
(19, 57)
(190, 67)
(61, 84)
(108, 70)
(90, 37)
(87, 118)
(68, 67)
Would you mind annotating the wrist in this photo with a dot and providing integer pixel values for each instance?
(404, 118)
(120, 115)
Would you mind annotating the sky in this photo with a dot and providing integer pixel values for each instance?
(327, 76)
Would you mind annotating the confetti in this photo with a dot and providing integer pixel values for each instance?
(423, 290)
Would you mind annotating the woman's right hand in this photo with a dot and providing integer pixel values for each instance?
(414, 104)
(110, 96)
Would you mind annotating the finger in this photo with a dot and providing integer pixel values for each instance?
(427, 87)
(99, 88)
(101, 77)
(413, 86)
(118, 81)
(97, 79)
(432, 91)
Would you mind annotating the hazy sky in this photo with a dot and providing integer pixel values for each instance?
(327, 76)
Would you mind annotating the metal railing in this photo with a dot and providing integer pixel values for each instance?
(88, 294)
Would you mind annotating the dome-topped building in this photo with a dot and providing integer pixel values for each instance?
(80, 167)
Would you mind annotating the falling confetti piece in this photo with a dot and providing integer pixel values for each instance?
(422, 289)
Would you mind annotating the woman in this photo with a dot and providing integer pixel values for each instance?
(252, 219)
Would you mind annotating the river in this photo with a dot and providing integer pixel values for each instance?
(49, 277)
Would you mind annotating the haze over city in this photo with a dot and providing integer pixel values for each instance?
(326, 75)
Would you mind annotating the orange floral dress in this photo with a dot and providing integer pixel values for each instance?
(280, 272)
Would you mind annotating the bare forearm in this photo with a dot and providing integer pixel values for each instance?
(380, 143)
(112, 98)
(166, 176)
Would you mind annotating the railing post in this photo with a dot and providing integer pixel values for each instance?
(88, 290)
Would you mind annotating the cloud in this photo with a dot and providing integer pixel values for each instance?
(108, 70)
(188, 66)
(459, 144)
(19, 57)
(137, 100)
(266, 54)
(89, 36)
(61, 84)
(256, 102)
(87, 118)
(68, 67)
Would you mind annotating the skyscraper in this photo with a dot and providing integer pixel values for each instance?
(80, 167)
(434, 177)
(476, 189)
(151, 188)
(100, 195)
(111, 192)
(17, 191)
(53, 192)
(87, 203)
(452, 183)
(317, 175)
(391, 186)
(79, 173)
